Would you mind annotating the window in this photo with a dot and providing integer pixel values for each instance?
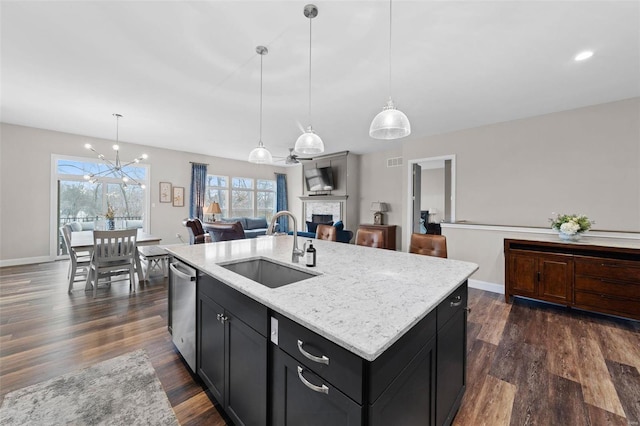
(217, 190)
(86, 202)
(241, 196)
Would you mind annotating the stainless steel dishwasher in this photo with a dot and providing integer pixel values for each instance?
(182, 280)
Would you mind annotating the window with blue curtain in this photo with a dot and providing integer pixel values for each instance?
(281, 201)
(198, 189)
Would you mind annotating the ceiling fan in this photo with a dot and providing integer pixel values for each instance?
(293, 158)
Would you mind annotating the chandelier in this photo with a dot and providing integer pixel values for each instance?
(115, 168)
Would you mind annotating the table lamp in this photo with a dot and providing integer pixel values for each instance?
(213, 209)
(378, 208)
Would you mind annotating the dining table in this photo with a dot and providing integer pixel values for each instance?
(82, 241)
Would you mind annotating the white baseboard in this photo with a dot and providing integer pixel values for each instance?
(487, 286)
(25, 261)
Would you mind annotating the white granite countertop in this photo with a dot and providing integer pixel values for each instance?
(363, 299)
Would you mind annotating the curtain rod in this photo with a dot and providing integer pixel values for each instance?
(204, 164)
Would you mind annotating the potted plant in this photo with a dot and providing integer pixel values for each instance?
(570, 227)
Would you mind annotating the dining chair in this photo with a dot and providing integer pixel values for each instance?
(79, 262)
(114, 253)
(326, 232)
(428, 245)
(370, 238)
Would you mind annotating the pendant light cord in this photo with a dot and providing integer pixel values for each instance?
(260, 140)
(390, 13)
(310, 23)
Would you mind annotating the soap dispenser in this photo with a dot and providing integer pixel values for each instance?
(310, 255)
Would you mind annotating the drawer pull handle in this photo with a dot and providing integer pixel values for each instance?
(612, 265)
(322, 389)
(457, 301)
(319, 359)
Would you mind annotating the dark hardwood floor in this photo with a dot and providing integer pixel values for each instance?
(528, 363)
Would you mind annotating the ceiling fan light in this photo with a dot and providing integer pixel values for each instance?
(260, 155)
(390, 123)
(309, 143)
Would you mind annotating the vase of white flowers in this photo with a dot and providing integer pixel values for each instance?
(110, 216)
(570, 227)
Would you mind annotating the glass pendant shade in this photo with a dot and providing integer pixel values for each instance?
(309, 143)
(260, 155)
(390, 123)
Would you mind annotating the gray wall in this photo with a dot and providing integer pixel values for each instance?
(517, 173)
(25, 190)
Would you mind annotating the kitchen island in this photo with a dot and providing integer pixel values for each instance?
(368, 336)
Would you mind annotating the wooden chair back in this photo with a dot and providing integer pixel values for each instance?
(429, 245)
(370, 238)
(326, 232)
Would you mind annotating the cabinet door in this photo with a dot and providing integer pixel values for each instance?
(246, 397)
(409, 399)
(296, 401)
(451, 376)
(521, 275)
(555, 277)
(211, 346)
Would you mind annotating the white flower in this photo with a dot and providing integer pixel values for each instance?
(569, 228)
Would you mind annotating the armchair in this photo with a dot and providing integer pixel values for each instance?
(197, 234)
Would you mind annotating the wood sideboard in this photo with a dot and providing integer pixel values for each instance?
(388, 232)
(596, 278)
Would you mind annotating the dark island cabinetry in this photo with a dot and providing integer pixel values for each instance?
(232, 351)
(419, 380)
(266, 369)
(593, 277)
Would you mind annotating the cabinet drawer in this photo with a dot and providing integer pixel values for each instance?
(241, 306)
(608, 286)
(341, 368)
(452, 304)
(608, 268)
(605, 303)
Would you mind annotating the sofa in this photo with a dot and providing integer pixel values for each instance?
(342, 235)
(253, 226)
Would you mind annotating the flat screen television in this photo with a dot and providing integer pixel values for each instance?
(320, 179)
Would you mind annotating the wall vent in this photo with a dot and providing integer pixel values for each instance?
(394, 162)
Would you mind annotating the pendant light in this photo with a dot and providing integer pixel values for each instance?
(309, 142)
(390, 123)
(260, 154)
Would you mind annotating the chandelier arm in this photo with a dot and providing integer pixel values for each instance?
(131, 179)
(129, 163)
(103, 172)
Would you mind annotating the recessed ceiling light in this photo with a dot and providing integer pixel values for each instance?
(583, 55)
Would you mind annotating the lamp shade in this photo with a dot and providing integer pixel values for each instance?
(309, 143)
(213, 208)
(260, 155)
(390, 123)
(377, 206)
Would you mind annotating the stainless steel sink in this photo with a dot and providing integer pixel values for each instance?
(268, 273)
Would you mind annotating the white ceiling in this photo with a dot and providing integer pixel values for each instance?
(185, 75)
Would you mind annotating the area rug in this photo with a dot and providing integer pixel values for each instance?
(121, 391)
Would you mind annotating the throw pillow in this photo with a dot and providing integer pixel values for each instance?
(339, 225)
(76, 226)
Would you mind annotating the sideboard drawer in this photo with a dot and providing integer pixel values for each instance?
(608, 268)
(606, 303)
(608, 286)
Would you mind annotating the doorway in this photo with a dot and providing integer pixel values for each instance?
(432, 199)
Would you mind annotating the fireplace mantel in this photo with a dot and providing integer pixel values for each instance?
(324, 198)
